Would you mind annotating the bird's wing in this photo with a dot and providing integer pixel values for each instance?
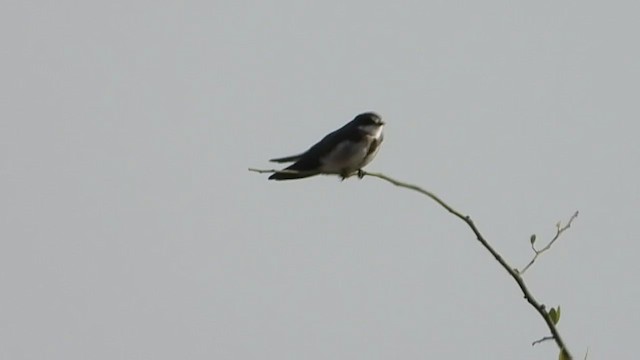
(331, 141)
(322, 147)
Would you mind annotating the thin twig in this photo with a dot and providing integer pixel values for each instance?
(540, 308)
(559, 230)
(263, 171)
(546, 338)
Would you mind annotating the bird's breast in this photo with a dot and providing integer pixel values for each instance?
(347, 155)
(353, 154)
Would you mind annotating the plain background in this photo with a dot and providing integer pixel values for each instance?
(131, 228)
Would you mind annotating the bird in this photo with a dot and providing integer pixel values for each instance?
(343, 152)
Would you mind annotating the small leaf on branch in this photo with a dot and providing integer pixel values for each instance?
(554, 315)
(533, 239)
(558, 313)
(563, 355)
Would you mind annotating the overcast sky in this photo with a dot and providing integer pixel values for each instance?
(131, 228)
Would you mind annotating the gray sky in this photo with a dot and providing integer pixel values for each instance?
(131, 228)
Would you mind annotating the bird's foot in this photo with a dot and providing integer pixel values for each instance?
(345, 175)
(360, 173)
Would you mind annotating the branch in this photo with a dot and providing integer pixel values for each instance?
(540, 308)
(514, 273)
(559, 230)
(268, 171)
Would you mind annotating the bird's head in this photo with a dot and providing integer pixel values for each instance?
(369, 122)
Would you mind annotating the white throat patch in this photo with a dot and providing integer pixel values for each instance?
(372, 130)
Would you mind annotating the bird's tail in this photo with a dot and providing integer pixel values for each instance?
(284, 175)
(299, 170)
(287, 159)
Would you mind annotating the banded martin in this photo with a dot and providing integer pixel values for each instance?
(344, 152)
